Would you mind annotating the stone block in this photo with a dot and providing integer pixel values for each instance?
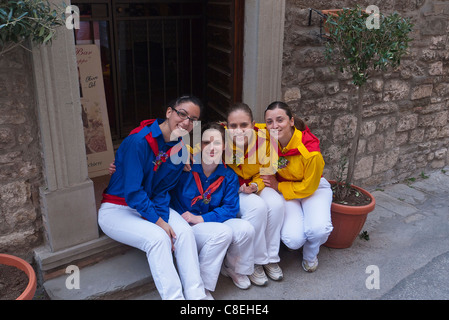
(69, 215)
(292, 94)
(407, 122)
(396, 90)
(7, 139)
(363, 168)
(379, 109)
(386, 161)
(344, 127)
(442, 89)
(434, 26)
(436, 68)
(14, 195)
(422, 91)
(376, 143)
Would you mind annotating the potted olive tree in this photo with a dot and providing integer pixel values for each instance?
(25, 20)
(355, 47)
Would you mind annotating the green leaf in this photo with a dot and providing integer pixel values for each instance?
(47, 38)
(10, 14)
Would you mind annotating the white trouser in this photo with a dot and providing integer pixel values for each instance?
(125, 225)
(265, 212)
(231, 241)
(307, 221)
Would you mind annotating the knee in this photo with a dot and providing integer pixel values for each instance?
(245, 232)
(293, 241)
(257, 214)
(223, 235)
(185, 234)
(318, 232)
(158, 241)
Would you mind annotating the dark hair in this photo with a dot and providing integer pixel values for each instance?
(186, 98)
(213, 126)
(240, 106)
(299, 123)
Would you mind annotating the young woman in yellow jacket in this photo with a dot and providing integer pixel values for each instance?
(263, 207)
(307, 195)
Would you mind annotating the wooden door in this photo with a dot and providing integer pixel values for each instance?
(224, 70)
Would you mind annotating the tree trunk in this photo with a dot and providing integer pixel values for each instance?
(355, 141)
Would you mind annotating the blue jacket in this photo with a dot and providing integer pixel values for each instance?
(224, 202)
(144, 189)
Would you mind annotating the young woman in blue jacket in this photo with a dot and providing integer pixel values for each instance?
(135, 206)
(207, 198)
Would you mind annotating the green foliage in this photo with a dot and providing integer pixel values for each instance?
(356, 49)
(22, 20)
(359, 50)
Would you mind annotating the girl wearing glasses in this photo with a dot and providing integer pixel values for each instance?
(135, 206)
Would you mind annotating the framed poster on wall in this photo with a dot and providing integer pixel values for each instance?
(97, 134)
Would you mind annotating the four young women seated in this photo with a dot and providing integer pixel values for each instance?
(254, 186)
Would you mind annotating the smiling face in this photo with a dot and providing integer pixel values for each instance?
(212, 146)
(240, 126)
(178, 118)
(277, 119)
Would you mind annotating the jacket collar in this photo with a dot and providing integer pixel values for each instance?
(219, 171)
(304, 141)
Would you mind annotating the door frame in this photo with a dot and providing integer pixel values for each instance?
(262, 52)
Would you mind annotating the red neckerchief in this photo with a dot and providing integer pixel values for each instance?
(292, 152)
(161, 156)
(311, 142)
(205, 195)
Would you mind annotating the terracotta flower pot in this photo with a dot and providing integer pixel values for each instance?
(330, 12)
(21, 264)
(348, 221)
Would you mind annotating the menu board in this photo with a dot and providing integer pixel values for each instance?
(97, 134)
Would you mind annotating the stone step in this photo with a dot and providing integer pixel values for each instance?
(120, 277)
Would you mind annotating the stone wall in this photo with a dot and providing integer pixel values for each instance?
(405, 115)
(20, 158)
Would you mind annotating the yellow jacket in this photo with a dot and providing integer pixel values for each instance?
(301, 175)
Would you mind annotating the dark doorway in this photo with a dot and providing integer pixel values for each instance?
(153, 51)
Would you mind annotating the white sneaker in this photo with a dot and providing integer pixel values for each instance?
(273, 271)
(310, 266)
(240, 280)
(259, 278)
